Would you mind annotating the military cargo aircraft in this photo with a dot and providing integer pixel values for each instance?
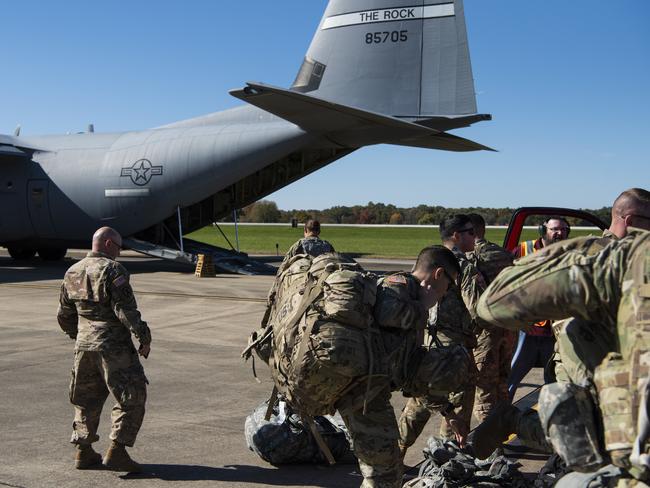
(377, 72)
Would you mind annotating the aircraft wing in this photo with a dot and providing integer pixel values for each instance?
(13, 147)
(349, 126)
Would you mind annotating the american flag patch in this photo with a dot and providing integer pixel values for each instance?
(120, 281)
(396, 279)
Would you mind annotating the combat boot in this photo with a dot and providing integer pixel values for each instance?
(117, 459)
(87, 458)
(494, 430)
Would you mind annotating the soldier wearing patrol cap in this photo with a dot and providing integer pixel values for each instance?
(97, 309)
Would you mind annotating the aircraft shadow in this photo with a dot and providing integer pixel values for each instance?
(36, 269)
(339, 475)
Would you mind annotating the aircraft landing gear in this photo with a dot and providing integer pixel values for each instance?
(21, 253)
(52, 253)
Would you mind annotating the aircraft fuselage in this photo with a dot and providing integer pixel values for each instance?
(133, 180)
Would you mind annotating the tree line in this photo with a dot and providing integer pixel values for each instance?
(265, 211)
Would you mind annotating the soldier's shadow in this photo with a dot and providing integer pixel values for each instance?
(340, 475)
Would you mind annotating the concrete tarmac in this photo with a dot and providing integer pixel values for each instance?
(199, 395)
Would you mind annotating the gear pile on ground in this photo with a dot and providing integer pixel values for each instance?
(447, 466)
(552, 471)
(285, 439)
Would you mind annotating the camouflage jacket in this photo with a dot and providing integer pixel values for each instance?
(97, 306)
(312, 245)
(490, 259)
(401, 319)
(582, 344)
(450, 321)
(577, 277)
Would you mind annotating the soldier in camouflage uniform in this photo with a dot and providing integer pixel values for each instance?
(495, 345)
(97, 309)
(608, 287)
(401, 310)
(450, 322)
(581, 344)
(359, 364)
(310, 244)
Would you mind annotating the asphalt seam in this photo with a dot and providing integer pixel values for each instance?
(147, 293)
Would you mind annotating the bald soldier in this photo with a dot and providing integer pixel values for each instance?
(581, 343)
(97, 309)
(608, 287)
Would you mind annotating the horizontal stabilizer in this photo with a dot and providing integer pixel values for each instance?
(347, 126)
(315, 114)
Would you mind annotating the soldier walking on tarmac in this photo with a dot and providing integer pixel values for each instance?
(97, 309)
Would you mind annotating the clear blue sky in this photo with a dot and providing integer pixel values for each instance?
(568, 84)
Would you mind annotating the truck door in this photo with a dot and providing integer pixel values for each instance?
(524, 216)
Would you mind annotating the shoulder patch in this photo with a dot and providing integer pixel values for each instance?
(120, 281)
(396, 279)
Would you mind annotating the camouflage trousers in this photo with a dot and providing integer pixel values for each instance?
(417, 412)
(94, 375)
(375, 434)
(374, 441)
(493, 355)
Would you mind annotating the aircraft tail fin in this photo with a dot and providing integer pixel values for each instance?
(404, 58)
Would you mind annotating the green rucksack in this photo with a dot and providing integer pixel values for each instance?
(318, 339)
(490, 260)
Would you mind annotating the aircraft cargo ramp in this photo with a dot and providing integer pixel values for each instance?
(224, 260)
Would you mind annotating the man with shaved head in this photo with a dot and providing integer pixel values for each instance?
(97, 309)
(630, 209)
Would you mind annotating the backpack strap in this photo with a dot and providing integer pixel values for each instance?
(272, 401)
(319, 440)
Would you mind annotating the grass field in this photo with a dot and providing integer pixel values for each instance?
(384, 242)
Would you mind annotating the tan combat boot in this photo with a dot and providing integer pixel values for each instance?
(117, 459)
(87, 458)
(494, 430)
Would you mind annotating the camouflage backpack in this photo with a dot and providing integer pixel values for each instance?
(321, 334)
(622, 378)
(490, 259)
(319, 342)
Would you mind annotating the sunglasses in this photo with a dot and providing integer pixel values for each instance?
(470, 231)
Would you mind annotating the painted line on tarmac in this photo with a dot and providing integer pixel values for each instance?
(148, 293)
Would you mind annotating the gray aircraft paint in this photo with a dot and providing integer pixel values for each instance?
(367, 79)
